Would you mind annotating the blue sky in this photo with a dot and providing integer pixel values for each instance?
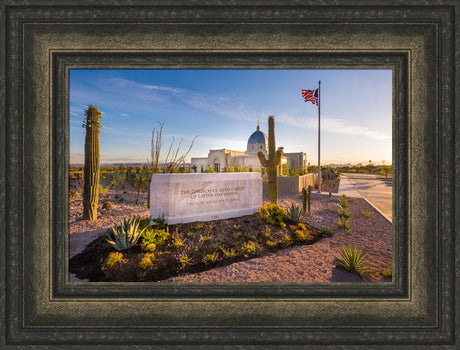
(223, 106)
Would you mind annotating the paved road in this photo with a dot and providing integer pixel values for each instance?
(374, 188)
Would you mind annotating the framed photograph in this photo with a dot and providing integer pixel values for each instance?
(46, 44)
(202, 200)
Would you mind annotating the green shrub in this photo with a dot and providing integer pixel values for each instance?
(286, 239)
(294, 213)
(301, 236)
(147, 261)
(367, 213)
(343, 201)
(351, 259)
(210, 258)
(326, 231)
(248, 247)
(178, 243)
(124, 236)
(344, 223)
(154, 236)
(160, 221)
(198, 226)
(229, 254)
(344, 213)
(112, 259)
(272, 213)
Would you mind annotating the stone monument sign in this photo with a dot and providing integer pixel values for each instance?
(192, 197)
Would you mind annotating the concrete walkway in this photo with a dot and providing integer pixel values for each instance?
(346, 188)
(375, 190)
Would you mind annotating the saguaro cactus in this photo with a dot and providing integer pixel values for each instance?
(92, 163)
(274, 160)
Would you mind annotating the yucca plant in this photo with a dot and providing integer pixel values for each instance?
(343, 201)
(344, 213)
(344, 223)
(126, 235)
(294, 213)
(326, 231)
(351, 259)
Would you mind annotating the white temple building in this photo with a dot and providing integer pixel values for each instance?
(258, 141)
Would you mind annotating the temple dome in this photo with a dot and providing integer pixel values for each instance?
(258, 141)
(258, 137)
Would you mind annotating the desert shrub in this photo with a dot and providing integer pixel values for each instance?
(326, 231)
(160, 221)
(184, 259)
(119, 181)
(294, 212)
(271, 243)
(301, 226)
(351, 259)
(147, 261)
(124, 236)
(367, 213)
(112, 259)
(178, 243)
(343, 201)
(302, 236)
(154, 236)
(104, 189)
(231, 253)
(344, 213)
(272, 213)
(344, 223)
(198, 226)
(248, 247)
(286, 239)
(209, 169)
(210, 258)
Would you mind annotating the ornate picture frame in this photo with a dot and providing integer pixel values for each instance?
(42, 42)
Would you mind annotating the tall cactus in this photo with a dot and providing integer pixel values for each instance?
(274, 160)
(92, 163)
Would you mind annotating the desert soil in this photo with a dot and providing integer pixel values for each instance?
(308, 263)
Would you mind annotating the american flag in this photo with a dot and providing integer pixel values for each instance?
(311, 95)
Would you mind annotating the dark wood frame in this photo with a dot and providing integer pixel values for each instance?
(43, 40)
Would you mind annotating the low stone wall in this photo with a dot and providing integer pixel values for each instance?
(193, 197)
(294, 184)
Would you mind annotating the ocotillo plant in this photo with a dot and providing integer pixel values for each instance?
(274, 160)
(92, 163)
(309, 199)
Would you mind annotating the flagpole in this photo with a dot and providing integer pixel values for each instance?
(319, 136)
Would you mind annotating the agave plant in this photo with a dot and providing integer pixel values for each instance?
(126, 235)
(294, 212)
(352, 260)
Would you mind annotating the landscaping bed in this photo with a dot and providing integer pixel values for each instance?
(192, 247)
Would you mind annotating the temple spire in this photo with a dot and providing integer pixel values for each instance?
(258, 126)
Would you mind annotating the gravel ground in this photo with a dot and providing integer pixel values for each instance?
(312, 263)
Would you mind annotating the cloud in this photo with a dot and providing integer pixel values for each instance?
(332, 125)
(124, 115)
